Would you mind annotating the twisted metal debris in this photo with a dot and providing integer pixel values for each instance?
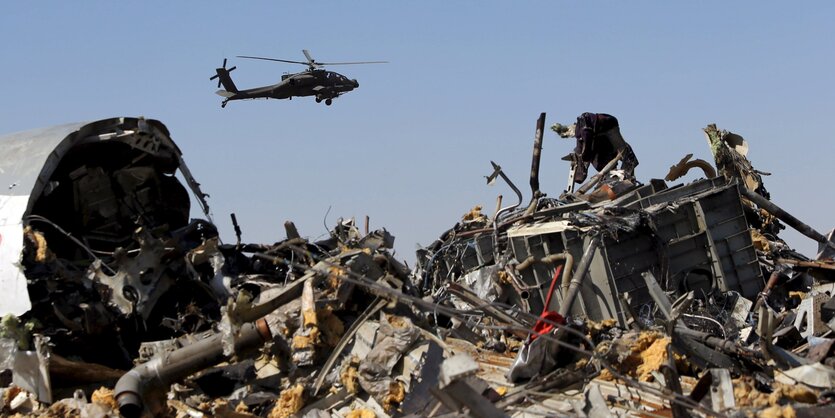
(619, 298)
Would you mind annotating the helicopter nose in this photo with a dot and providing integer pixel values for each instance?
(356, 83)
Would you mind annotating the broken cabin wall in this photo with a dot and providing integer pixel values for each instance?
(27, 165)
(25, 155)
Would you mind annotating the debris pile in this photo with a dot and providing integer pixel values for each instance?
(617, 298)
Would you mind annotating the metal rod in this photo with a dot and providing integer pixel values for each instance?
(498, 207)
(497, 171)
(809, 264)
(579, 275)
(537, 154)
(721, 344)
(599, 176)
(237, 229)
(772, 281)
(786, 217)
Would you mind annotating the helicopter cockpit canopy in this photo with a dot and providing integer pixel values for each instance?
(332, 76)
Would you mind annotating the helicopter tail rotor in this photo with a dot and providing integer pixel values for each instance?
(221, 73)
(222, 76)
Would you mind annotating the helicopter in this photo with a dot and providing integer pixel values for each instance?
(314, 81)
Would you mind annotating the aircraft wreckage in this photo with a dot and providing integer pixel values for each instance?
(613, 298)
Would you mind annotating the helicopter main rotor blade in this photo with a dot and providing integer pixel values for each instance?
(349, 63)
(273, 59)
(310, 59)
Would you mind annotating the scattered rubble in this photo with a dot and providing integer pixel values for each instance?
(617, 298)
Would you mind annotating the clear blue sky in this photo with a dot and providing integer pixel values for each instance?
(466, 82)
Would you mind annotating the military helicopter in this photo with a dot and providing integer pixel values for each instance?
(314, 81)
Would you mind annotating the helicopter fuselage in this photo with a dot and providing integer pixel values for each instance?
(320, 83)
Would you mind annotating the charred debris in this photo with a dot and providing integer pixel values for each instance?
(612, 298)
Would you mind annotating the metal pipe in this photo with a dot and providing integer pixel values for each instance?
(585, 263)
(599, 176)
(497, 171)
(761, 298)
(680, 170)
(237, 230)
(498, 207)
(550, 259)
(537, 155)
(809, 264)
(164, 369)
(786, 217)
(721, 344)
(566, 272)
(707, 169)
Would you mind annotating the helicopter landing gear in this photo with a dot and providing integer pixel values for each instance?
(328, 102)
(318, 100)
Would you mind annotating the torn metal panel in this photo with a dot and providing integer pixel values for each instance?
(539, 228)
(14, 299)
(478, 405)
(593, 405)
(31, 370)
(483, 282)
(825, 251)
(419, 400)
(140, 280)
(721, 390)
(375, 369)
(814, 375)
(457, 367)
(714, 218)
(346, 338)
(808, 320)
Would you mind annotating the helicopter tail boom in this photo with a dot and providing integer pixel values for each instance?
(226, 80)
(222, 74)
